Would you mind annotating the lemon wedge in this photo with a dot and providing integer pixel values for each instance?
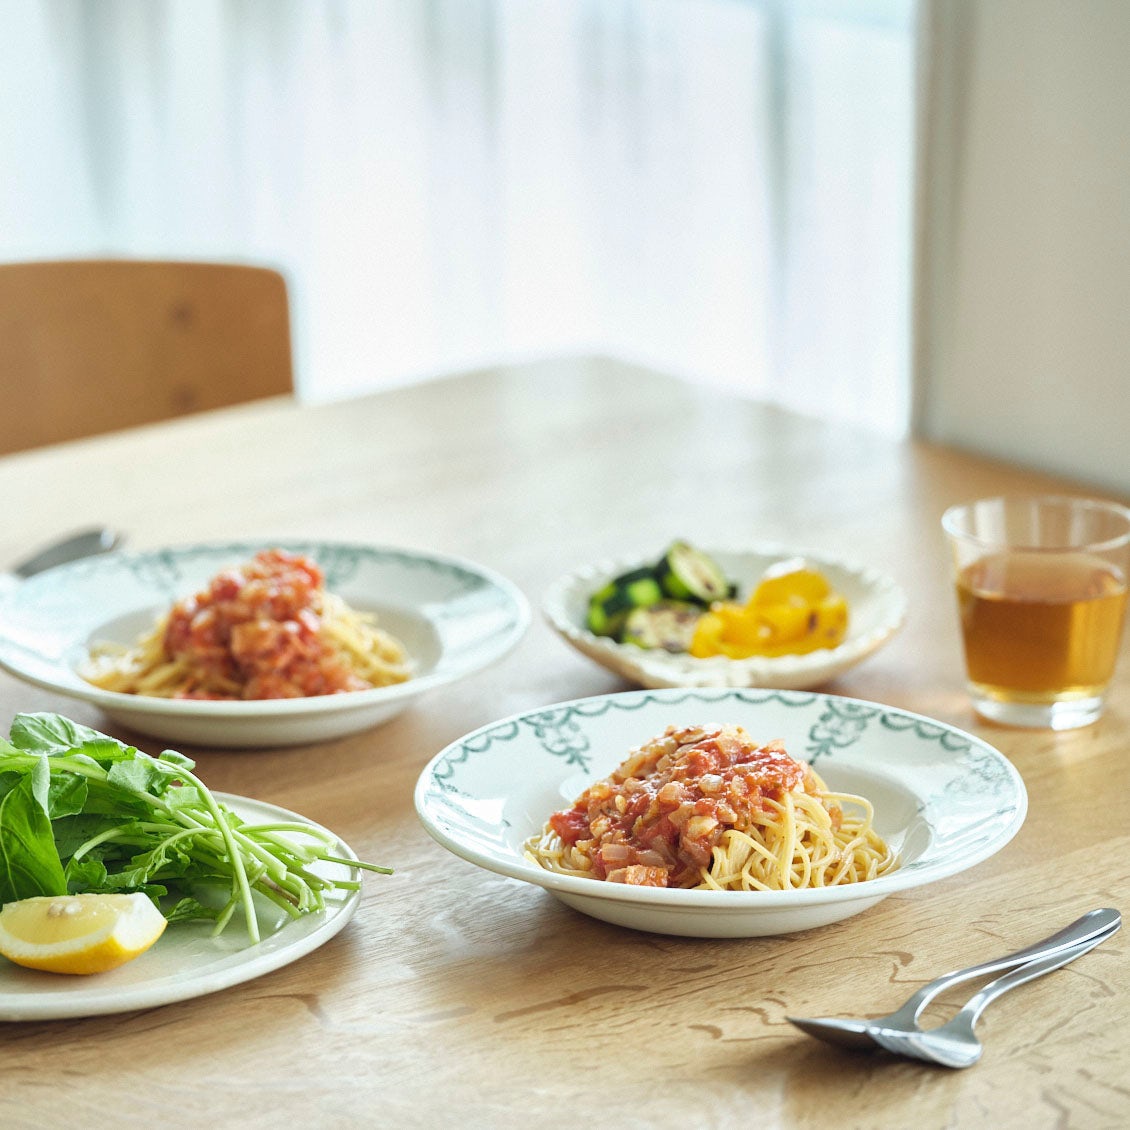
(78, 933)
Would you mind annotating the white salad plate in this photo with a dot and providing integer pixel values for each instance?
(944, 800)
(876, 611)
(452, 616)
(186, 961)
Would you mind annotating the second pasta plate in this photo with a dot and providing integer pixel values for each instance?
(453, 617)
(944, 800)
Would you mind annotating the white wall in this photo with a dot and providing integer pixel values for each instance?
(1023, 304)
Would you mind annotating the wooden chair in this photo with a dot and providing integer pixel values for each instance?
(91, 346)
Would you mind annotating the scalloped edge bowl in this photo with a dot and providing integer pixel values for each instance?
(877, 609)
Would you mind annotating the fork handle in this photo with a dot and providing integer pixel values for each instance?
(1027, 972)
(1095, 923)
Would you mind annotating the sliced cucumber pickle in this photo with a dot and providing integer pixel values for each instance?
(688, 574)
(667, 626)
(610, 605)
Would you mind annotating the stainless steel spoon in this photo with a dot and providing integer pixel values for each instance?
(954, 1044)
(85, 543)
(855, 1033)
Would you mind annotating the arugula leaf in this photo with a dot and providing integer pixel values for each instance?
(185, 797)
(85, 876)
(175, 758)
(72, 832)
(40, 777)
(189, 909)
(9, 781)
(55, 735)
(66, 795)
(52, 733)
(143, 774)
(29, 863)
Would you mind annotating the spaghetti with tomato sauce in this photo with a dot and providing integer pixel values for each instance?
(707, 807)
(266, 629)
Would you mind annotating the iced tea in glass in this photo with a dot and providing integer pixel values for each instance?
(1041, 590)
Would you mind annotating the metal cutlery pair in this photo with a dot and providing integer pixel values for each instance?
(954, 1044)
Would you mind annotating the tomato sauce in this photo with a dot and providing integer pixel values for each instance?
(255, 633)
(655, 820)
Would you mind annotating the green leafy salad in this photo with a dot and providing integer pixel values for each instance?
(81, 812)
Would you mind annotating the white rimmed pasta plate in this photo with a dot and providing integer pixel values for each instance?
(876, 611)
(944, 800)
(454, 618)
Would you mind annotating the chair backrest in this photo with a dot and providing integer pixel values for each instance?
(90, 346)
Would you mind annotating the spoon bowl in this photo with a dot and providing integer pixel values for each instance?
(86, 543)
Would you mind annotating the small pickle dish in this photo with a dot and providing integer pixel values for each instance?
(770, 616)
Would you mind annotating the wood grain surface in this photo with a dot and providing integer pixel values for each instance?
(456, 997)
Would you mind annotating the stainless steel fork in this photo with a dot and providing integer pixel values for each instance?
(954, 1043)
(859, 1033)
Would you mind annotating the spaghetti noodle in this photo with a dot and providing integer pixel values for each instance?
(705, 807)
(266, 629)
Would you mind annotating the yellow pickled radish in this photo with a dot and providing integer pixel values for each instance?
(792, 583)
(792, 611)
(831, 621)
(79, 933)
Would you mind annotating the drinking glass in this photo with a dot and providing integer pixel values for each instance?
(1041, 589)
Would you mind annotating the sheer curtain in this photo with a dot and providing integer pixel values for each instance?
(717, 188)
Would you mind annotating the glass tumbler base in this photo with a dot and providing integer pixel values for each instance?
(1063, 714)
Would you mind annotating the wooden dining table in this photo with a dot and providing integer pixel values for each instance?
(458, 997)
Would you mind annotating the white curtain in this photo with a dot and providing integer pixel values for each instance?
(717, 188)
